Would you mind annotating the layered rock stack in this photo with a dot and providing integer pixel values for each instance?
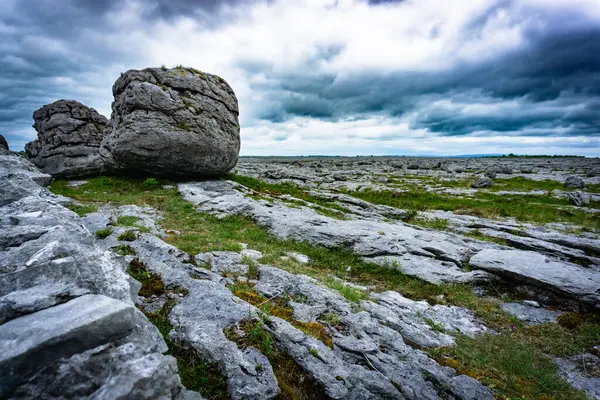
(69, 137)
(177, 122)
(68, 324)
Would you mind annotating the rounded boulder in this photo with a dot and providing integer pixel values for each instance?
(177, 122)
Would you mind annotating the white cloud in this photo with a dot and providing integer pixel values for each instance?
(381, 136)
(288, 38)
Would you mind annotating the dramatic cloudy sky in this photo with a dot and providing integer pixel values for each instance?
(330, 77)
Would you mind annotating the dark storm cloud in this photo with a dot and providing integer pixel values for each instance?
(558, 61)
(48, 46)
(166, 9)
(42, 42)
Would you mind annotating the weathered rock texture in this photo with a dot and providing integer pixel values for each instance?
(482, 181)
(375, 352)
(68, 325)
(3, 143)
(69, 137)
(173, 122)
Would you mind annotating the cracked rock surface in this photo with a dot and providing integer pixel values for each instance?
(94, 338)
(68, 325)
(173, 122)
(69, 137)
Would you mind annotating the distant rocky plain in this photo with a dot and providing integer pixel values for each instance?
(340, 276)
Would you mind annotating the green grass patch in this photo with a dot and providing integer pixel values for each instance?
(293, 381)
(538, 209)
(128, 236)
(440, 224)
(328, 207)
(151, 183)
(131, 220)
(593, 188)
(515, 368)
(184, 126)
(351, 293)
(82, 209)
(253, 269)
(419, 181)
(124, 250)
(520, 183)
(151, 283)
(104, 233)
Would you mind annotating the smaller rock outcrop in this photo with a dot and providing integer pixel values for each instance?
(482, 182)
(491, 173)
(177, 122)
(69, 137)
(527, 169)
(579, 199)
(574, 182)
(3, 143)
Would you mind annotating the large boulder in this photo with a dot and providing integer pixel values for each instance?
(177, 122)
(69, 137)
(578, 198)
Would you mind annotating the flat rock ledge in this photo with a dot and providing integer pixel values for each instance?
(68, 324)
(375, 350)
(434, 256)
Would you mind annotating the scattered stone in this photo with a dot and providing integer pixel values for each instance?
(574, 182)
(582, 371)
(527, 169)
(482, 182)
(298, 257)
(173, 122)
(531, 315)
(531, 303)
(491, 173)
(69, 137)
(253, 254)
(76, 183)
(566, 279)
(579, 199)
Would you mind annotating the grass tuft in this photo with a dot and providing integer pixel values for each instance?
(128, 236)
(151, 283)
(131, 220)
(511, 366)
(151, 183)
(82, 209)
(124, 250)
(104, 233)
(348, 291)
(293, 381)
